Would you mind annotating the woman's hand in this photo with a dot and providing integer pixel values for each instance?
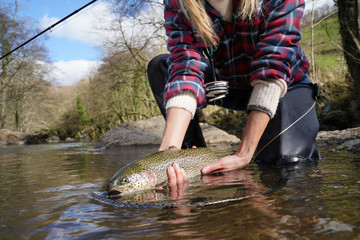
(177, 181)
(227, 163)
(254, 129)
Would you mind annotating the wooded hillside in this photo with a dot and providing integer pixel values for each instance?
(119, 90)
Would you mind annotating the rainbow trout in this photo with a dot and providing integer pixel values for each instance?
(150, 172)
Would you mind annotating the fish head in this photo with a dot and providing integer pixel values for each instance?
(126, 183)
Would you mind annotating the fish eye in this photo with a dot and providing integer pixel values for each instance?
(124, 180)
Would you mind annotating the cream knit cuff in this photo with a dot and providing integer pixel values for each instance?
(186, 100)
(266, 95)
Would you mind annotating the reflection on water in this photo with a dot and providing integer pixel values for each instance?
(44, 194)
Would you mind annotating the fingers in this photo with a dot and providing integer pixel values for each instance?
(177, 181)
(227, 163)
(171, 175)
(176, 175)
(212, 168)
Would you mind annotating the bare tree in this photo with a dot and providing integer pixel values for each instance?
(136, 35)
(22, 71)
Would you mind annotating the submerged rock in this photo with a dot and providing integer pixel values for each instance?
(150, 131)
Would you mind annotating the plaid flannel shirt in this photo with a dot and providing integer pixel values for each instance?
(267, 48)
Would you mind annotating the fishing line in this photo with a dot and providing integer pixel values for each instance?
(75, 17)
(290, 126)
(47, 29)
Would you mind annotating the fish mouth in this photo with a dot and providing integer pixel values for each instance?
(114, 193)
(119, 192)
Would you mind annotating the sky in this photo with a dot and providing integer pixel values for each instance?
(74, 45)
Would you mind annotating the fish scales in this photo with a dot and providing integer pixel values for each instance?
(191, 160)
(150, 171)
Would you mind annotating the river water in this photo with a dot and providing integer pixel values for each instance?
(45, 193)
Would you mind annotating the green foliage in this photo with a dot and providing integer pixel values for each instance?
(75, 122)
(118, 92)
(328, 56)
(81, 112)
(337, 88)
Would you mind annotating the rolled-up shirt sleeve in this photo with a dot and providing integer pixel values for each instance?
(266, 95)
(186, 70)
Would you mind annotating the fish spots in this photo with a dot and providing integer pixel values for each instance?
(150, 171)
(138, 181)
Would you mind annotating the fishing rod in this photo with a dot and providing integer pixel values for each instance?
(47, 29)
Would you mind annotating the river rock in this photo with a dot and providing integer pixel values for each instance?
(150, 131)
(337, 137)
(8, 137)
(85, 137)
(52, 139)
(352, 146)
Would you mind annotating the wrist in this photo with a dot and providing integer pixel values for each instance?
(245, 152)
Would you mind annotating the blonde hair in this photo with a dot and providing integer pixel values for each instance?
(195, 11)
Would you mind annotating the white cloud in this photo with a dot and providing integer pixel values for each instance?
(92, 26)
(97, 24)
(70, 72)
(86, 26)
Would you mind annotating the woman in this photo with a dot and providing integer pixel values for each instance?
(254, 47)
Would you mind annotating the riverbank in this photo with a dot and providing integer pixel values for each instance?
(341, 140)
(150, 131)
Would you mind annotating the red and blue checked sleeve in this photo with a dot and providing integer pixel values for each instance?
(278, 55)
(187, 65)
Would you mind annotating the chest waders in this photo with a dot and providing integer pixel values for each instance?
(290, 136)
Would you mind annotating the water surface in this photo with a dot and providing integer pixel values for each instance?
(44, 194)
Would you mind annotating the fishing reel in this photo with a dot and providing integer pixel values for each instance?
(216, 90)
